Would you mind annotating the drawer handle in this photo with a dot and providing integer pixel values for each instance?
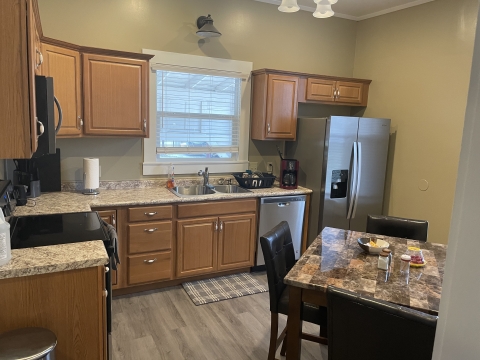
(151, 213)
(151, 230)
(150, 261)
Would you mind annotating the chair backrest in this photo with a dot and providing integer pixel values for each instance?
(279, 258)
(397, 227)
(364, 328)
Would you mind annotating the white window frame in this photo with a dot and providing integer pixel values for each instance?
(197, 64)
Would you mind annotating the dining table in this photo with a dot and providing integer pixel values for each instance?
(335, 259)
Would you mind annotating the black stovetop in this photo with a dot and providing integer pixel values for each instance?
(44, 230)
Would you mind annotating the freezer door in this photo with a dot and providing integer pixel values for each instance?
(341, 134)
(373, 138)
(308, 150)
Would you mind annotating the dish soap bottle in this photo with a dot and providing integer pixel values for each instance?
(5, 251)
(171, 177)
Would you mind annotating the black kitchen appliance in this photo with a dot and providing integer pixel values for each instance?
(45, 230)
(289, 174)
(7, 198)
(45, 105)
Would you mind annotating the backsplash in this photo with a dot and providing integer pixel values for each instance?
(147, 183)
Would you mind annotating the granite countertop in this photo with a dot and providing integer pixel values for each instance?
(74, 201)
(335, 258)
(55, 258)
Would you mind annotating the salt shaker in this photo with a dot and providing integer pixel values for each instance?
(383, 260)
(405, 264)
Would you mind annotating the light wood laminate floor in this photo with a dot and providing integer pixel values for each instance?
(165, 324)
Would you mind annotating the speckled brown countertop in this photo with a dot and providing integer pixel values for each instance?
(48, 259)
(70, 201)
(55, 258)
(335, 258)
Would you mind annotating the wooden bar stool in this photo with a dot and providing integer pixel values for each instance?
(28, 344)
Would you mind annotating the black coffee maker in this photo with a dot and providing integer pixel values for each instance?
(288, 172)
(27, 175)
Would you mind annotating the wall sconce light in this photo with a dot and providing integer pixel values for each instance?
(206, 28)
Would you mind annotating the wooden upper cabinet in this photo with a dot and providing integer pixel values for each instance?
(236, 241)
(115, 96)
(349, 92)
(64, 66)
(274, 107)
(337, 92)
(34, 62)
(196, 246)
(321, 90)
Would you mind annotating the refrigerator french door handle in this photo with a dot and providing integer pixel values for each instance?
(354, 181)
(359, 176)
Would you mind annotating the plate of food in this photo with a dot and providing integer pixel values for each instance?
(372, 245)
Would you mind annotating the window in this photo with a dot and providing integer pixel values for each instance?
(200, 114)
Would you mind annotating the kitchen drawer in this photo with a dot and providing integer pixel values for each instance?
(149, 268)
(216, 208)
(150, 213)
(150, 236)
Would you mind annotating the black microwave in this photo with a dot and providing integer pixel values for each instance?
(47, 130)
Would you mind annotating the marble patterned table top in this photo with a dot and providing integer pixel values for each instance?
(335, 258)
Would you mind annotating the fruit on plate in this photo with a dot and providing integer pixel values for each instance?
(417, 259)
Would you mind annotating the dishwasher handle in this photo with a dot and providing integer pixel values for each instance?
(283, 204)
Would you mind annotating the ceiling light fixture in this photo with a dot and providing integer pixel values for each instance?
(289, 6)
(324, 7)
(206, 28)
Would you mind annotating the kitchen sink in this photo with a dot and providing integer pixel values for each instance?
(230, 189)
(192, 190)
(201, 190)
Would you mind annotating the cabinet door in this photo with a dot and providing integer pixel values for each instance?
(320, 90)
(281, 107)
(349, 92)
(64, 66)
(34, 61)
(196, 246)
(116, 96)
(236, 240)
(109, 216)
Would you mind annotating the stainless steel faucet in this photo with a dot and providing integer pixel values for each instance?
(205, 176)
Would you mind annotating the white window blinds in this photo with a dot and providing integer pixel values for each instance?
(198, 115)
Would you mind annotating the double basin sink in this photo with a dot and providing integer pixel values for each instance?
(199, 190)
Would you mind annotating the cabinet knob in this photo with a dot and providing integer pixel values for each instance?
(113, 220)
(41, 128)
(221, 225)
(145, 125)
(150, 261)
(151, 230)
(107, 269)
(216, 225)
(268, 128)
(40, 58)
(80, 122)
(151, 213)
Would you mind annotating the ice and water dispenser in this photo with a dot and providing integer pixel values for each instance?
(339, 184)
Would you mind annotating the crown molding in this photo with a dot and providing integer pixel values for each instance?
(356, 18)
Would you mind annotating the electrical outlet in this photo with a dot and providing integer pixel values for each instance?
(270, 167)
(253, 166)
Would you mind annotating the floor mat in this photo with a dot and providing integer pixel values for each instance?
(222, 288)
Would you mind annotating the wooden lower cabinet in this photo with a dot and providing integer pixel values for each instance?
(149, 268)
(236, 241)
(69, 303)
(196, 246)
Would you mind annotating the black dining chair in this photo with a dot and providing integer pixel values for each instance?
(363, 328)
(397, 227)
(279, 258)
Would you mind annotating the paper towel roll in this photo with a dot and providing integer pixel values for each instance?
(91, 170)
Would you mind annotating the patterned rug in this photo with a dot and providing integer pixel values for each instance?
(222, 288)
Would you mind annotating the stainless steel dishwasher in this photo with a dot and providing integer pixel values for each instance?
(282, 208)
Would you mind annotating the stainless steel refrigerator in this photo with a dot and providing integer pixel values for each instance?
(343, 160)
